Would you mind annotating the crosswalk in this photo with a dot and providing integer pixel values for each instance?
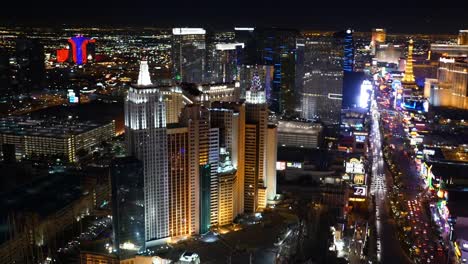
(378, 184)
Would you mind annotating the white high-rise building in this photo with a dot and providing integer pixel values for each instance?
(145, 130)
(144, 78)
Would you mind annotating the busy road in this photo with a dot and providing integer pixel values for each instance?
(403, 219)
(409, 208)
(387, 243)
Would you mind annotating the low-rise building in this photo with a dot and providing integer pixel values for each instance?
(53, 138)
(299, 134)
(98, 258)
(35, 214)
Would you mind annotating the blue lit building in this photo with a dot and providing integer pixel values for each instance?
(348, 60)
(276, 47)
(351, 89)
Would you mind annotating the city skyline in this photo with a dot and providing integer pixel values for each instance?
(205, 134)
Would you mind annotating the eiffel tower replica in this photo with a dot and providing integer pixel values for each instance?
(408, 80)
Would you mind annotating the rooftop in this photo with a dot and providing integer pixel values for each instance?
(56, 128)
(298, 127)
(450, 170)
(458, 207)
(449, 154)
(41, 196)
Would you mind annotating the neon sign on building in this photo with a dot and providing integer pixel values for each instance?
(79, 45)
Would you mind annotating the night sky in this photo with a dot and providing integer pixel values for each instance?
(297, 14)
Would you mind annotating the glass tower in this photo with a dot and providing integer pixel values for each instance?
(128, 212)
(323, 78)
(189, 54)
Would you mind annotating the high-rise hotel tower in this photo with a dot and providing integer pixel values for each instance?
(256, 119)
(145, 130)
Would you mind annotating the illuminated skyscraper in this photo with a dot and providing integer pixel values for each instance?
(213, 160)
(246, 73)
(323, 77)
(197, 121)
(408, 80)
(174, 102)
(222, 56)
(227, 183)
(256, 93)
(277, 48)
(256, 112)
(80, 50)
(204, 153)
(145, 131)
(224, 64)
(300, 70)
(229, 117)
(450, 89)
(189, 54)
(179, 203)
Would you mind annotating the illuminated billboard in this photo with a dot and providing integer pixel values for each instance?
(413, 105)
(280, 165)
(366, 87)
(359, 179)
(398, 94)
(62, 55)
(229, 46)
(296, 165)
(72, 98)
(359, 190)
(360, 138)
(416, 140)
(430, 152)
(354, 166)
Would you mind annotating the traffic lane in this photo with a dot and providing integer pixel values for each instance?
(391, 249)
(411, 182)
(408, 177)
(355, 254)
